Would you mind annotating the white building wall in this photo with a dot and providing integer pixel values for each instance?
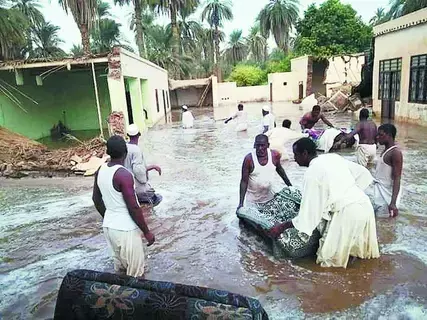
(157, 78)
(409, 39)
(227, 93)
(253, 94)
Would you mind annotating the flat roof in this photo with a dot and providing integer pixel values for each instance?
(404, 22)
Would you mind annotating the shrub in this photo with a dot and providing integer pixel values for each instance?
(247, 75)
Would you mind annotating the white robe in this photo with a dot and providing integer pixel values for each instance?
(278, 137)
(187, 119)
(333, 192)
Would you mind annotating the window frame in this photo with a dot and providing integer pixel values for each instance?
(417, 69)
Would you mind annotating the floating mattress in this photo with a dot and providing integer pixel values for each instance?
(86, 294)
(282, 208)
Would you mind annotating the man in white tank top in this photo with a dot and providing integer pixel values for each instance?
(124, 225)
(388, 173)
(258, 171)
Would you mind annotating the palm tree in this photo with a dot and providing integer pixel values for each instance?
(380, 17)
(257, 44)
(159, 52)
(84, 14)
(172, 8)
(137, 22)
(76, 51)
(278, 18)
(190, 31)
(13, 31)
(146, 22)
(400, 8)
(216, 12)
(31, 10)
(46, 41)
(236, 50)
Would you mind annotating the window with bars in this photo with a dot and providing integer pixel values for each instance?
(389, 79)
(418, 81)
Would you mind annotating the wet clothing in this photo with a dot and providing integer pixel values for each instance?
(365, 154)
(383, 185)
(187, 120)
(260, 185)
(278, 137)
(326, 141)
(135, 163)
(282, 208)
(269, 121)
(117, 214)
(127, 250)
(121, 233)
(334, 202)
(242, 120)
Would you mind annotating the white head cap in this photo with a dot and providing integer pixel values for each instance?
(133, 130)
(184, 107)
(266, 108)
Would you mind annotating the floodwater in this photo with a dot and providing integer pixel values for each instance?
(49, 227)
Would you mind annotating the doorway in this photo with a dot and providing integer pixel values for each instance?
(129, 106)
(389, 86)
(271, 92)
(300, 91)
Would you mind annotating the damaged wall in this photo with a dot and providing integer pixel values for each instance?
(66, 96)
(190, 97)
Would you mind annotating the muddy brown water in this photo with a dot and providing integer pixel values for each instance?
(49, 227)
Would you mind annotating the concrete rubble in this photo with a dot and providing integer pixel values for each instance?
(341, 101)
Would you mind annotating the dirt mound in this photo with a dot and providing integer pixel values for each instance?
(18, 153)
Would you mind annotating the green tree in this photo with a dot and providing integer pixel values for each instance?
(13, 31)
(31, 10)
(380, 17)
(139, 16)
(236, 50)
(278, 18)
(84, 14)
(247, 75)
(257, 44)
(216, 12)
(46, 41)
(172, 8)
(332, 29)
(76, 51)
(190, 31)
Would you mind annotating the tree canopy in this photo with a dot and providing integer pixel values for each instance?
(331, 29)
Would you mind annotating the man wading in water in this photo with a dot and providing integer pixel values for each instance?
(388, 173)
(135, 163)
(311, 118)
(124, 224)
(367, 131)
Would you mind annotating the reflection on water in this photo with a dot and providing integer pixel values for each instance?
(200, 241)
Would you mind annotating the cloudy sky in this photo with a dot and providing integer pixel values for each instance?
(245, 13)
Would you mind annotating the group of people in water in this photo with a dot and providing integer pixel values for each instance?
(331, 216)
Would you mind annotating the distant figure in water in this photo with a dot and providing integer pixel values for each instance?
(367, 131)
(334, 203)
(278, 137)
(268, 119)
(187, 118)
(388, 173)
(311, 118)
(123, 219)
(258, 171)
(135, 163)
(241, 118)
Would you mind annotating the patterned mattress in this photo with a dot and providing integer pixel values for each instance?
(86, 294)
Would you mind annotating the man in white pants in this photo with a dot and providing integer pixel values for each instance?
(124, 224)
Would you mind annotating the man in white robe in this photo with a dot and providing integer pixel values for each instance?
(334, 202)
(187, 118)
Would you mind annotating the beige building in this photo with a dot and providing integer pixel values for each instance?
(400, 68)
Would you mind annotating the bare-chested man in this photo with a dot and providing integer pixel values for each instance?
(367, 131)
(311, 118)
(388, 173)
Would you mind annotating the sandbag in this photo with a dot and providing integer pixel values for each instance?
(86, 294)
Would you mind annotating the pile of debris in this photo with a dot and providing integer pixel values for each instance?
(340, 101)
(20, 155)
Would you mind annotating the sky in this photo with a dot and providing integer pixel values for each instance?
(245, 13)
